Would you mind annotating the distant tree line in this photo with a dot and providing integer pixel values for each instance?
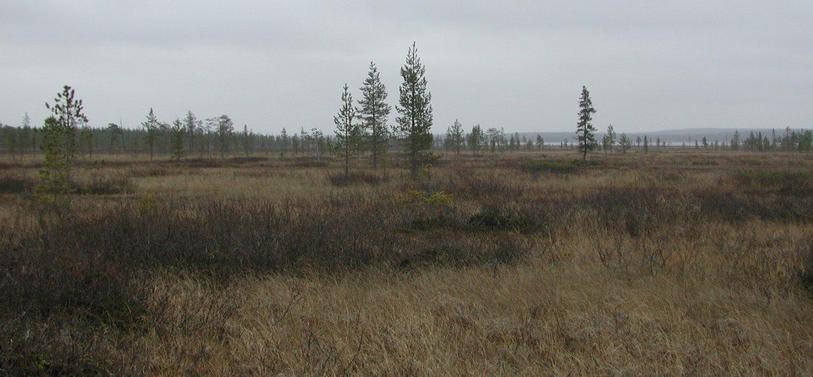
(360, 128)
(208, 140)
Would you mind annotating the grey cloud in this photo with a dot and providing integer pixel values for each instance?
(515, 64)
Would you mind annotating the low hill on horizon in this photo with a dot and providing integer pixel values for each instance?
(676, 136)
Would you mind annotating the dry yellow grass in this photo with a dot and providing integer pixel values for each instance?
(535, 318)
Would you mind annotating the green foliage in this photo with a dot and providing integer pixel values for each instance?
(86, 140)
(608, 141)
(415, 110)
(10, 141)
(54, 176)
(248, 144)
(584, 128)
(624, 142)
(348, 132)
(454, 136)
(59, 146)
(178, 131)
(225, 128)
(191, 124)
(432, 199)
(152, 126)
(476, 139)
(373, 112)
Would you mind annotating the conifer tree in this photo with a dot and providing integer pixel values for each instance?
(59, 143)
(455, 136)
(415, 110)
(115, 134)
(190, 123)
(54, 177)
(178, 130)
(319, 140)
(284, 140)
(735, 141)
(624, 142)
(585, 129)
(68, 113)
(476, 139)
(373, 112)
(346, 127)
(86, 138)
(10, 141)
(609, 138)
(225, 127)
(247, 140)
(151, 126)
(28, 135)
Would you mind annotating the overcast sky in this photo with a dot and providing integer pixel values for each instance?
(649, 64)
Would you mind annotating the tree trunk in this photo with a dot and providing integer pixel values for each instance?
(347, 159)
(375, 152)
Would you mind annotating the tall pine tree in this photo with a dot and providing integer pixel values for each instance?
(178, 130)
(476, 139)
(415, 110)
(584, 128)
(373, 112)
(190, 123)
(59, 144)
(346, 128)
(152, 126)
(225, 128)
(455, 135)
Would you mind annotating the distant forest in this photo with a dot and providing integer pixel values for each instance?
(216, 137)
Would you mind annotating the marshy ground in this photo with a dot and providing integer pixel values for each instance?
(663, 263)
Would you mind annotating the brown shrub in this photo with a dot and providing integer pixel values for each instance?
(105, 185)
(15, 184)
(356, 178)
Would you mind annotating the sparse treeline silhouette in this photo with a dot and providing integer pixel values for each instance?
(208, 140)
(202, 142)
(361, 128)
